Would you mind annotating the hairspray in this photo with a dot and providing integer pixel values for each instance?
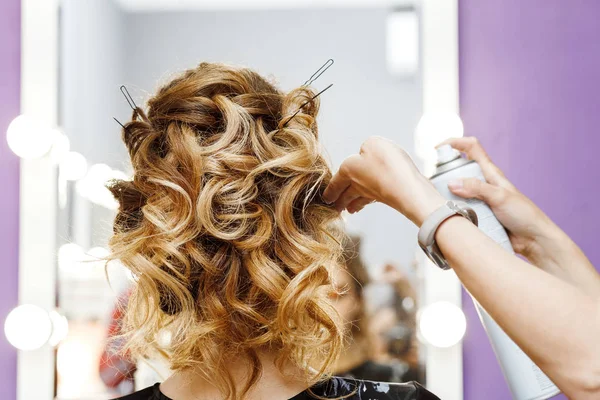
(525, 379)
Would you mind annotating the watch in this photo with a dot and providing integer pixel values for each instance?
(433, 222)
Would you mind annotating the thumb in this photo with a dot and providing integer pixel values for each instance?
(473, 188)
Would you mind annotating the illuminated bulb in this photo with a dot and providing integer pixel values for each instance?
(434, 128)
(72, 357)
(28, 327)
(60, 147)
(97, 256)
(73, 166)
(93, 186)
(70, 256)
(28, 138)
(60, 328)
(98, 253)
(402, 42)
(442, 324)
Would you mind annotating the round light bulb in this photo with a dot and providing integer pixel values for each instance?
(73, 358)
(442, 324)
(28, 138)
(28, 327)
(93, 186)
(98, 253)
(70, 256)
(434, 128)
(60, 147)
(60, 328)
(73, 166)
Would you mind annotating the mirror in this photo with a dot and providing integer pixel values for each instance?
(377, 90)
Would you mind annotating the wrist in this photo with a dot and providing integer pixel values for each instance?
(424, 205)
(547, 243)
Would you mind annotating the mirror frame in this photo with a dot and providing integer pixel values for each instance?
(38, 223)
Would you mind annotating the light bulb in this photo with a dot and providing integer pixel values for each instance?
(97, 257)
(93, 186)
(60, 147)
(73, 166)
(72, 359)
(434, 128)
(70, 256)
(60, 328)
(98, 253)
(28, 138)
(442, 324)
(28, 327)
(402, 43)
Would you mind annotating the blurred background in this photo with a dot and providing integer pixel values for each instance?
(528, 89)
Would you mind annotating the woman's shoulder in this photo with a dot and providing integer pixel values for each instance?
(355, 389)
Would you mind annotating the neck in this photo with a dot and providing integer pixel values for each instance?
(272, 384)
(353, 355)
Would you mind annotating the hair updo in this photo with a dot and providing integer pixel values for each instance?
(224, 227)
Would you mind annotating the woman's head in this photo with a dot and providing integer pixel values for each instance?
(224, 227)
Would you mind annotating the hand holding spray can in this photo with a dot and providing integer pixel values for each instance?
(525, 379)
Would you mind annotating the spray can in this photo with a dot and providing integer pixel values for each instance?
(525, 379)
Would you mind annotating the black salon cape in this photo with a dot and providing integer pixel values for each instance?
(332, 388)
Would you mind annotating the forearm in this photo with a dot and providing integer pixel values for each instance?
(557, 254)
(556, 324)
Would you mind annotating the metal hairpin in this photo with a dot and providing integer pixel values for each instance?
(131, 103)
(119, 122)
(305, 103)
(128, 97)
(319, 72)
(310, 81)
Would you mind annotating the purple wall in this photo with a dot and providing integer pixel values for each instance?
(530, 90)
(10, 70)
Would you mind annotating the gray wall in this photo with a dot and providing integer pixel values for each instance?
(290, 45)
(92, 49)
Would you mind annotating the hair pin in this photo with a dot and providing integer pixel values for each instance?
(319, 72)
(119, 122)
(305, 103)
(309, 82)
(137, 111)
(128, 97)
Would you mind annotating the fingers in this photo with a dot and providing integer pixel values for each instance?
(340, 181)
(346, 198)
(473, 188)
(358, 204)
(474, 151)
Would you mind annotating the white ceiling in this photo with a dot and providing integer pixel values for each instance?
(170, 5)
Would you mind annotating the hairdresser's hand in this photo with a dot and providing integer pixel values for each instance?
(532, 233)
(383, 172)
(526, 223)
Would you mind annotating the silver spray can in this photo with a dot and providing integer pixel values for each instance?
(525, 379)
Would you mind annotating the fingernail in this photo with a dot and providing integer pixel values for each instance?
(455, 185)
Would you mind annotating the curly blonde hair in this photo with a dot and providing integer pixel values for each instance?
(224, 227)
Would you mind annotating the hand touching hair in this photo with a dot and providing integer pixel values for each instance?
(224, 227)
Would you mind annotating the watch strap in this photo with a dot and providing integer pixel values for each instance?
(431, 224)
